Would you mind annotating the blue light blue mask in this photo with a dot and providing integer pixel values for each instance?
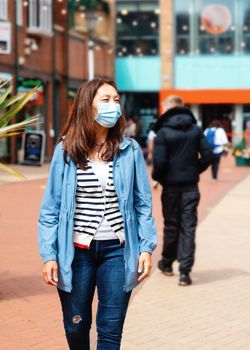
(108, 114)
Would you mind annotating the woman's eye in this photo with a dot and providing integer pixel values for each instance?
(105, 100)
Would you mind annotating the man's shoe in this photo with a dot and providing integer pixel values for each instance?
(166, 270)
(185, 279)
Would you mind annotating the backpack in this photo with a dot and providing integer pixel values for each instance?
(210, 136)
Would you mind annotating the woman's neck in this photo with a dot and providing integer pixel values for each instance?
(101, 134)
(101, 137)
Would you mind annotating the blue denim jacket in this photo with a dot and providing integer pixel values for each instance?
(135, 202)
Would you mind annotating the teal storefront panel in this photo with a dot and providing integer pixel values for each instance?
(138, 73)
(206, 72)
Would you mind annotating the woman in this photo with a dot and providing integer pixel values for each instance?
(217, 138)
(95, 226)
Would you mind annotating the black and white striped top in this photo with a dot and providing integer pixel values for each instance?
(92, 204)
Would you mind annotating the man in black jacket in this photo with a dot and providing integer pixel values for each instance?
(181, 153)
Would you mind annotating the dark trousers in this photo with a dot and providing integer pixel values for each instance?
(215, 165)
(180, 221)
(101, 266)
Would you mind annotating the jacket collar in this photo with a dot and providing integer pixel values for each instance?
(125, 143)
(178, 111)
(164, 119)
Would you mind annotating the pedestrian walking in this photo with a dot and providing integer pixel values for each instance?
(130, 130)
(217, 138)
(96, 229)
(181, 153)
(150, 144)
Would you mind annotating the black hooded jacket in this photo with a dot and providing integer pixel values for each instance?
(181, 151)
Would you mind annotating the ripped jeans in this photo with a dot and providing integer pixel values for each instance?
(101, 266)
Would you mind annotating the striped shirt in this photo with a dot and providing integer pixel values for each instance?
(92, 204)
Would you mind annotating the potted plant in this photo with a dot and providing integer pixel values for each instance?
(9, 107)
(242, 154)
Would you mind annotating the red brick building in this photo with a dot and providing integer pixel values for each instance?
(45, 42)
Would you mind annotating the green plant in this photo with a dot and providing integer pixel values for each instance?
(9, 108)
(241, 150)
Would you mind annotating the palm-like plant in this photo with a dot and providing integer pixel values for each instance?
(9, 107)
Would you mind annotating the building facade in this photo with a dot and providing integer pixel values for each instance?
(46, 43)
(207, 60)
(202, 54)
(138, 61)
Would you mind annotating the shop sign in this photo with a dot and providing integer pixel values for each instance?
(29, 84)
(33, 146)
(25, 85)
(5, 38)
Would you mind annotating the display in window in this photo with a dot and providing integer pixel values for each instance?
(216, 19)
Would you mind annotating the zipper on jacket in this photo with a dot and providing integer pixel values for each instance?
(74, 193)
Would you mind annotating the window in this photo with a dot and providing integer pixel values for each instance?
(182, 27)
(33, 14)
(46, 15)
(216, 27)
(245, 42)
(19, 12)
(137, 28)
(40, 15)
(212, 27)
(4, 10)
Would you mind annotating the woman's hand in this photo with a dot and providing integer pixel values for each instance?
(144, 266)
(50, 272)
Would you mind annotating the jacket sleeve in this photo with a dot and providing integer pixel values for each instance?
(143, 203)
(160, 157)
(206, 153)
(50, 208)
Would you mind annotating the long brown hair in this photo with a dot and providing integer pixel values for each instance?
(79, 135)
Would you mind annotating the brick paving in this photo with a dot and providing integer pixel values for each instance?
(31, 173)
(211, 314)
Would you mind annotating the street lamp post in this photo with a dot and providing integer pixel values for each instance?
(91, 59)
(91, 21)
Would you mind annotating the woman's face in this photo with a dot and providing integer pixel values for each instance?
(105, 94)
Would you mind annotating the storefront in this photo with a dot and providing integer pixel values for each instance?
(211, 61)
(4, 143)
(142, 108)
(138, 62)
(35, 107)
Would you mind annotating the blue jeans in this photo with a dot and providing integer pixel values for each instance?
(101, 266)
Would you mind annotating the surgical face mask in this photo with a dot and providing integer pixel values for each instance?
(108, 114)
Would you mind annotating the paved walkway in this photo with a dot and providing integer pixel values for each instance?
(211, 314)
(30, 172)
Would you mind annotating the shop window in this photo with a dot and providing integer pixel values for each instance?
(216, 27)
(142, 108)
(40, 15)
(4, 10)
(245, 43)
(137, 28)
(211, 28)
(182, 24)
